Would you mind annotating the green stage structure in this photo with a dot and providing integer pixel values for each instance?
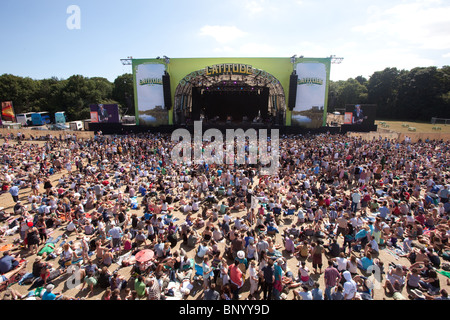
(287, 91)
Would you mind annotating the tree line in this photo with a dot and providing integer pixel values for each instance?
(73, 95)
(417, 94)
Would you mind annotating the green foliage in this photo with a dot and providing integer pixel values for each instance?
(123, 93)
(418, 94)
(73, 95)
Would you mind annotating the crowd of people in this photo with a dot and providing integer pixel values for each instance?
(113, 218)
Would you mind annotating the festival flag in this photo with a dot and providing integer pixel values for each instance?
(8, 111)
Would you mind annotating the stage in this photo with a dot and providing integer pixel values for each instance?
(121, 129)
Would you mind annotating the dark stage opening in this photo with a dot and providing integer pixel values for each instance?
(233, 102)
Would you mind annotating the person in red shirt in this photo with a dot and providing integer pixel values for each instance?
(420, 218)
(236, 278)
(331, 277)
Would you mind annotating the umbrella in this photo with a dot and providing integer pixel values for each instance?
(144, 255)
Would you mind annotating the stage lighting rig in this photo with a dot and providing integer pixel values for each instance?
(336, 60)
(293, 58)
(127, 61)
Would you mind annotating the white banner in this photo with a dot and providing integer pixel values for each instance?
(311, 86)
(149, 87)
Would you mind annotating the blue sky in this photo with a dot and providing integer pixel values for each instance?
(369, 35)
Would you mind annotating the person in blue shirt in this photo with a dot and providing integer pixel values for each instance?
(272, 228)
(49, 295)
(8, 262)
(14, 191)
(278, 274)
(316, 292)
(365, 262)
(362, 236)
(384, 210)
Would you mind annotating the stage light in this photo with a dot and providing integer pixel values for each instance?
(166, 59)
(293, 58)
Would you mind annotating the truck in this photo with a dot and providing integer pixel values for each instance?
(40, 118)
(24, 118)
(76, 125)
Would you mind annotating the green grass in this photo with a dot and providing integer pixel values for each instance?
(398, 126)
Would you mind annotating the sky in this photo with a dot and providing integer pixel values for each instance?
(47, 38)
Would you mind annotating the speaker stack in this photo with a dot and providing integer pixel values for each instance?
(292, 91)
(166, 91)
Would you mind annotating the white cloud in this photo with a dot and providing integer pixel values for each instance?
(366, 62)
(222, 34)
(422, 23)
(254, 7)
(447, 55)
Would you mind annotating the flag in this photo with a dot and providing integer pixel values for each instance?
(8, 111)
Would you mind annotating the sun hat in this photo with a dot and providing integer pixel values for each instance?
(241, 254)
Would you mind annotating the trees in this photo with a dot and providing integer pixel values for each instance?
(123, 93)
(19, 90)
(421, 94)
(418, 94)
(351, 91)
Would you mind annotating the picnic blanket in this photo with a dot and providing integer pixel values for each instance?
(174, 288)
(6, 247)
(444, 273)
(134, 203)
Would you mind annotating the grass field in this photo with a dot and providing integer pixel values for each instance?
(404, 127)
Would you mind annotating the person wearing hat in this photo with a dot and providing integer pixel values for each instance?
(254, 278)
(243, 262)
(444, 194)
(416, 294)
(32, 236)
(278, 274)
(236, 278)
(49, 295)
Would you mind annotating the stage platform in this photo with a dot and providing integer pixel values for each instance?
(118, 128)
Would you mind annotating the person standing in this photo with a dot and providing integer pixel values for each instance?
(350, 287)
(316, 254)
(14, 191)
(331, 278)
(236, 279)
(269, 277)
(253, 277)
(115, 233)
(356, 198)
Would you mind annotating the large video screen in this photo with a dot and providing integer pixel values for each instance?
(104, 113)
(150, 108)
(362, 115)
(311, 102)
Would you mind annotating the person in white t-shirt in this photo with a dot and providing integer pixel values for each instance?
(342, 262)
